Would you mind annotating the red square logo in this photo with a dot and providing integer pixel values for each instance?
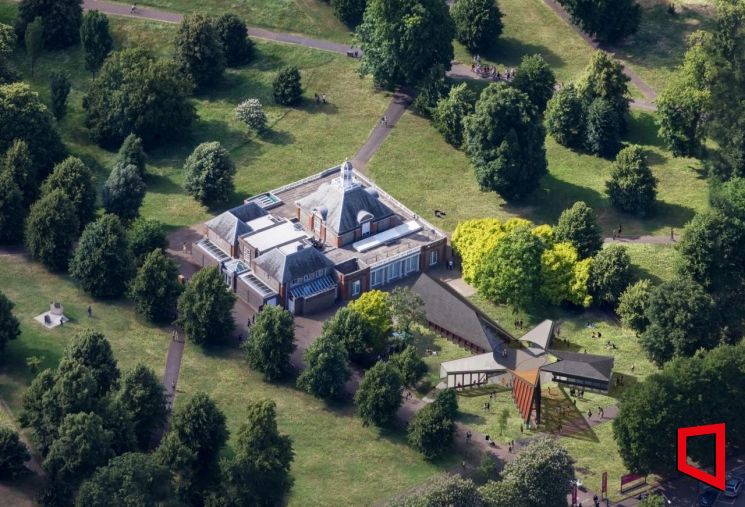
(719, 478)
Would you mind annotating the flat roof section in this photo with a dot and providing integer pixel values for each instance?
(280, 234)
(384, 237)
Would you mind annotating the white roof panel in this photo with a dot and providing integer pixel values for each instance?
(384, 237)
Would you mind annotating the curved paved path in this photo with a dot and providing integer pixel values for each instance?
(645, 240)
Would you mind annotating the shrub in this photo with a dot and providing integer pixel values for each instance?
(251, 113)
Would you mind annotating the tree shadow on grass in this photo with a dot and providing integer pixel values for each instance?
(161, 184)
(560, 415)
(643, 130)
(509, 51)
(277, 137)
(237, 86)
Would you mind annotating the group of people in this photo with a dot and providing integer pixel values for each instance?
(491, 72)
(320, 98)
(518, 323)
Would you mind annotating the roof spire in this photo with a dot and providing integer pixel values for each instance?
(347, 177)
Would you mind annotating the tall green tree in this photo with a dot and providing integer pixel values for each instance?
(259, 473)
(535, 79)
(18, 165)
(205, 308)
(432, 429)
(131, 152)
(633, 304)
(130, 479)
(349, 11)
(286, 87)
(603, 129)
(92, 350)
(606, 20)
(143, 396)
(410, 364)
(604, 79)
(729, 198)
(59, 89)
(34, 41)
(566, 117)
(271, 343)
(327, 369)
(610, 274)
(444, 489)
(13, 454)
(511, 272)
(12, 210)
(233, 35)
(504, 140)
(351, 329)
(96, 39)
(450, 113)
(199, 50)
(10, 328)
(124, 192)
(387, 34)
(61, 20)
(209, 173)
(51, 228)
(7, 45)
(430, 89)
(374, 307)
(101, 264)
(379, 395)
(74, 178)
(144, 236)
(632, 187)
(155, 289)
(406, 309)
(120, 100)
(478, 23)
(579, 226)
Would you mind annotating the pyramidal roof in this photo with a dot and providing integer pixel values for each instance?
(231, 224)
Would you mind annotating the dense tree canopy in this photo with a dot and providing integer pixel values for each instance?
(633, 304)
(59, 89)
(729, 198)
(143, 397)
(61, 20)
(504, 139)
(96, 39)
(449, 114)
(478, 23)
(566, 117)
(350, 328)
(535, 79)
(123, 192)
(444, 490)
(432, 428)
(233, 35)
(379, 394)
(579, 226)
(121, 100)
(131, 152)
(271, 342)
(373, 306)
(251, 112)
(199, 50)
(144, 236)
(209, 173)
(406, 309)
(13, 454)
(205, 308)
(286, 87)
(410, 364)
(604, 79)
(34, 41)
(606, 20)
(390, 36)
(327, 368)
(18, 165)
(349, 11)
(155, 288)
(632, 186)
(603, 129)
(7, 44)
(10, 328)
(51, 228)
(74, 178)
(610, 274)
(92, 350)
(564, 278)
(12, 210)
(101, 264)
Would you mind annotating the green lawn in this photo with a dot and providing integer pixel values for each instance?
(444, 350)
(419, 168)
(309, 17)
(301, 140)
(656, 262)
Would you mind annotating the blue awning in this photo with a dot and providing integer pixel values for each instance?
(313, 287)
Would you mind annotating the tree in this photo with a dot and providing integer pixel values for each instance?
(34, 40)
(101, 263)
(155, 289)
(488, 470)
(286, 87)
(632, 186)
(131, 152)
(61, 20)
(430, 89)
(474, 239)
(511, 272)
(566, 117)
(199, 50)
(271, 343)
(374, 307)
(379, 394)
(386, 38)
(59, 89)
(478, 23)
(92, 350)
(430, 432)
(606, 20)
(12, 210)
(406, 309)
(498, 493)
(198, 426)
(209, 174)
(252, 114)
(143, 396)
(541, 472)
(559, 276)
(17, 164)
(653, 500)
(350, 328)
(36, 401)
(96, 39)
(233, 35)
(579, 226)
(633, 304)
(603, 129)
(25, 117)
(410, 365)
(604, 79)
(259, 473)
(74, 178)
(450, 113)
(83, 445)
(7, 44)
(444, 489)
(51, 228)
(535, 79)
(610, 274)
(504, 140)
(118, 421)
(349, 11)
(123, 192)
(130, 479)
(120, 100)
(13, 454)
(327, 369)
(9, 325)
(205, 308)
(682, 319)
(729, 198)
(144, 236)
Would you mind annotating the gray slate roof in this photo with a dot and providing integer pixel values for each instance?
(540, 335)
(232, 224)
(343, 207)
(285, 267)
(575, 364)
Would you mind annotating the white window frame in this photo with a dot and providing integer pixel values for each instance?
(376, 277)
(356, 288)
(434, 257)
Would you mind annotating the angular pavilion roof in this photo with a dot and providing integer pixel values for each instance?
(540, 335)
(587, 366)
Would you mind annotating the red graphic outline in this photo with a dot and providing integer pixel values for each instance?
(717, 480)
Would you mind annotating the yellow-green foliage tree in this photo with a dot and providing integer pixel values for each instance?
(564, 279)
(374, 307)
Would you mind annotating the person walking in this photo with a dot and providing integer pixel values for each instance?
(90, 311)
